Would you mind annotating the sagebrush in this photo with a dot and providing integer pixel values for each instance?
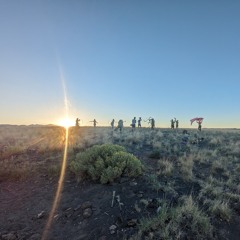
(105, 163)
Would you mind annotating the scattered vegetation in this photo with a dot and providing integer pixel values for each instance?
(8, 170)
(195, 176)
(179, 222)
(186, 166)
(221, 210)
(165, 167)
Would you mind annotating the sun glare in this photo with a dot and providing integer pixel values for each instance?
(66, 122)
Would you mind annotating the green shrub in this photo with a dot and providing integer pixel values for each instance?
(105, 163)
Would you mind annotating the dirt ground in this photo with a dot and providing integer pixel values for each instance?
(87, 210)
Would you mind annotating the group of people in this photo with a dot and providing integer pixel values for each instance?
(150, 121)
(173, 123)
(133, 124)
(78, 120)
(134, 121)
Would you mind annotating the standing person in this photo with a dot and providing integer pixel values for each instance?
(199, 122)
(177, 123)
(199, 126)
(120, 125)
(133, 123)
(112, 123)
(152, 121)
(139, 122)
(148, 120)
(77, 122)
(94, 122)
(172, 124)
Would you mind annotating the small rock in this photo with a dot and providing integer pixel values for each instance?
(132, 184)
(153, 203)
(41, 214)
(112, 229)
(87, 213)
(137, 208)
(9, 236)
(85, 205)
(151, 235)
(158, 209)
(77, 208)
(132, 222)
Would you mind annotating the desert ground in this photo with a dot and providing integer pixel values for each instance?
(174, 184)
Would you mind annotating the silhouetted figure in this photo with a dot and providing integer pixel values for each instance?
(152, 121)
(94, 122)
(120, 125)
(200, 126)
(139, 122)
(134, 123)
(172, 124)
(177, 123)
(112, 123)
(199, 122)
(77, 122)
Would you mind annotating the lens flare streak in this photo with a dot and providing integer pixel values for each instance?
(59, 189)
(63, 168)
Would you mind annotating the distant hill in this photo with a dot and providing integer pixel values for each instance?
(31, 125)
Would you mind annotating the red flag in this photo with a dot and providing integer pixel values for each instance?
(197, 119)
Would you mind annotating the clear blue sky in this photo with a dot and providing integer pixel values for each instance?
(120, 59)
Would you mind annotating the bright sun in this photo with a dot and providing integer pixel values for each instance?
(66, 122)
